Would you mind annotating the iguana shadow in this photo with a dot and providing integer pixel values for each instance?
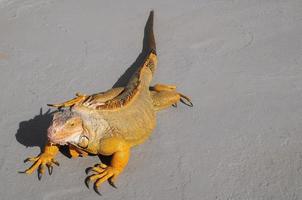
(124, 79)
(33, 132)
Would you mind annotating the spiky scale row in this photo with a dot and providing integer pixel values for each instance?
(133, 88)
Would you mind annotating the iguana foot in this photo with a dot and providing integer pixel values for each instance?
(76, 152)
(102, 173)
(164, 96)
(45, 159)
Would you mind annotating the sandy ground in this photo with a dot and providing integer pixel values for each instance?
(240, 61)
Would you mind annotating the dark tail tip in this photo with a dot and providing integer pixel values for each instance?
(149, 40)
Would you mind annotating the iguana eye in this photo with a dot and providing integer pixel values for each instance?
(83, 142)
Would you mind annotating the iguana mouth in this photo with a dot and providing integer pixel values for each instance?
(63, 138)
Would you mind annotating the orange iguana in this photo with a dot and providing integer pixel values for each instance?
(111, 122)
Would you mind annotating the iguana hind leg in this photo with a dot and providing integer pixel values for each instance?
(164, 96)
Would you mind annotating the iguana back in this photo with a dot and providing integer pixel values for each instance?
(131, 114)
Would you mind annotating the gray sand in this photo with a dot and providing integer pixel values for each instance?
(240, 61)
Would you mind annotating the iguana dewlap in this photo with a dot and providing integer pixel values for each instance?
(111, 122)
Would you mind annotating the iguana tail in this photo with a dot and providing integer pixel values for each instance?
(149, 40)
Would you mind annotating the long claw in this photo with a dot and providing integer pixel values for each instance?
(88, 170)
(87, 181)
(185, 100)
(33, 167)
(103, 179)
(112, 183)
(50, 169)
(55, 162)
(95, 188)
(31, 159)
(39, 175)
(93, 177)
(41, 171)
(100, 179)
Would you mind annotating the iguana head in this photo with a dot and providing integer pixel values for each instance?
(67, 128)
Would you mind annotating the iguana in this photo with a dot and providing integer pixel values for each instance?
(111, 122)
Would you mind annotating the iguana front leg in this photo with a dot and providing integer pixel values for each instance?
(45, 159)
(120, 151)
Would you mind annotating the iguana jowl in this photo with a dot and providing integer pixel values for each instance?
(111, 122)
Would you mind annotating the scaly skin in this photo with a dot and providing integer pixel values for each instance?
(112, 122)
